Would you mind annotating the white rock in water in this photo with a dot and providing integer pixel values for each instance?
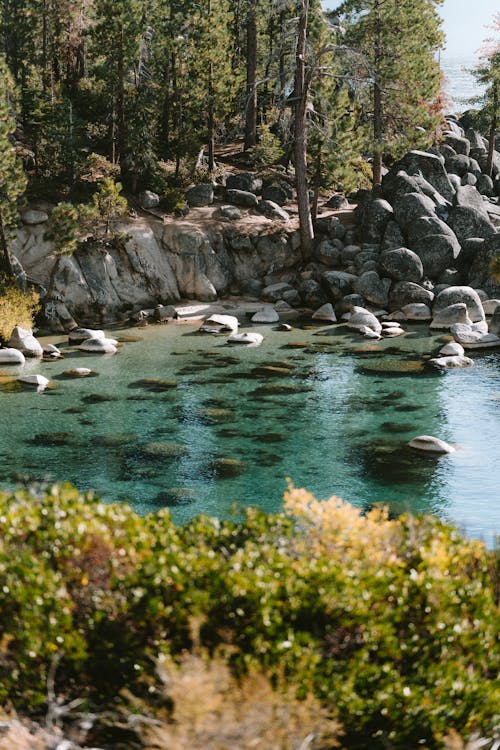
(452, 361)
(390, 324)
(325, 312)
(490, 305)
(362, 318)
(23, 339)
(39, 381)
(9, 356)
(452, 349)
(368, 333)
(471, 339)
(99, 346)
(49, 350)
(79, 372)
(78, 335)
(219, 323)
(430, 444)
(248, 337)
(266, 315)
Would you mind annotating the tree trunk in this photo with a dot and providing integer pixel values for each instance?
(120, 99)
(377, 106)
(6, 262)
(300, 94)
(251, 82)
(493, 129)
(210, 113)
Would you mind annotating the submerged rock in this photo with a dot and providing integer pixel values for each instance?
(430, 444)
(224, 468)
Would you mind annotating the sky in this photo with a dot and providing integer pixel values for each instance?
(464, 23)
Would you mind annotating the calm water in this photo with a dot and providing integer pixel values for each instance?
(326, 418)
(460, 85)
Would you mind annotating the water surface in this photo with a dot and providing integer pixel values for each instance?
(221, 427)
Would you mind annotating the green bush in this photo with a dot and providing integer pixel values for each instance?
(391, 624)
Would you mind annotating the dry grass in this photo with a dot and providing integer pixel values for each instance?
(213, 711)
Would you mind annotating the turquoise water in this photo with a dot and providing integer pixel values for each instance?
(325, 417)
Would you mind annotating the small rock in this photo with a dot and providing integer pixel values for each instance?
(326, 313)
(23, 339)
(266, 315)
(452, 349)
(272, 210)
(431, 444)
(98, 346)
(9, 356)
(38, 381)
(79, 372)
(220, 323)
(242, 198)
(443, 363)
(200, 195)
(249, 338)
(229, 213)
(148, 199)
(77, 335)
(33, 217)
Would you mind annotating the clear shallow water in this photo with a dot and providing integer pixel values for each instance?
(337, 427)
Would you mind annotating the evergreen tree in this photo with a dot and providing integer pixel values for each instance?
(488, 74)
(12, 178)
(396, 42)
(68, 226)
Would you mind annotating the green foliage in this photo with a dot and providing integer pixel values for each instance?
(173, 199)
(268, 150)
(18, 307)
(68, 225)
(391, 624)
(108, 202)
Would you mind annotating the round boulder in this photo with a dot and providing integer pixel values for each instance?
(403, 293)
(460, 294)
(9, 356)
(411, 207)
(200, 195)
(401, 264)
(437, 252)
(450, 315)
(23, 339)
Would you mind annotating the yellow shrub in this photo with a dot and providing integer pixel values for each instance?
(17, 308)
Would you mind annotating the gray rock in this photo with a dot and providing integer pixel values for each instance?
(459, 144)
(458, 164)
(393, 236)
(468, 222)
(148, 199)
(403, 293)
(430, 444)
(375, 216)
(402, 264)
(430, 166)
(337, 201)
(494, 325)
(229, 213)
(417, 311)
(311, 293)
(485, 185)
(266, 315)
(374, 289)
(425, 225)
(437, 252)
(451, 362)
(246, 182)
(274, 292)
(276, 194)
(479, 275)
(362, 318)
(452, 349)
(467, 195)
(10, 356)
(471, 339)
(241, 198)
(338, 283)
(411, 207)
(326, 313)
(32, 217)
(448, 316)
(461, 294)
(327, 253)
(200, 195)
(77, 335)
(272, 210)
(469, 179)
(490, 306)
(23, 339)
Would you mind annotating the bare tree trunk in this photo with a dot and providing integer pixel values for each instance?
(300, 94)
(493, 129)
(251, 87)
(6, 261)
(120, 100)
(211, 123)
(377, 108)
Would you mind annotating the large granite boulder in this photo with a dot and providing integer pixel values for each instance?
(393, 236)
(375, 215)
(429, 166)
(362, 318)
(338, 283)
(458, 164)
(411, 207)
(372, 288)
(460, 144)
(448, 316)
(473, 339)
(200, 195)
(426, 225)
(327, 253)
(460, 294)
(481, 259)
(437, 252)
(274, 292)
(467, 221)
(276, 193)
(468, 195)
(401, 264)
(245, 181)
(311, 293)
(403, 293)
(244, 198)
(23, 339)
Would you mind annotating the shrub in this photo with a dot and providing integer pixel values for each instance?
(18, 307)
(391, 624)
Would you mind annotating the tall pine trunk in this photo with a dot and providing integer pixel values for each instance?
(300, 145)
(377, 105)
(251, 81)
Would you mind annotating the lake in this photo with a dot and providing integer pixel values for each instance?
(228, 424)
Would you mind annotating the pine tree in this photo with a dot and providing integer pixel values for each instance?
(488, 74)
(68, 226)
(12, 177)
(396, 42)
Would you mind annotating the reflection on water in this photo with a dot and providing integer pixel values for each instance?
(183, 420)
